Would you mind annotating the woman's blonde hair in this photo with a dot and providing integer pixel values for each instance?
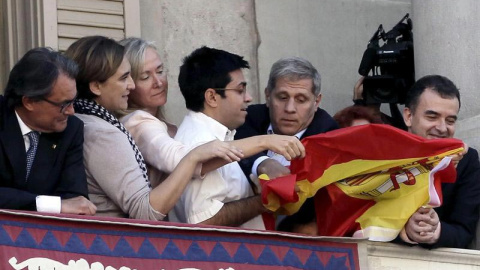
(135, 53)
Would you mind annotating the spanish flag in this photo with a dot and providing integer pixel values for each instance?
(368, 180)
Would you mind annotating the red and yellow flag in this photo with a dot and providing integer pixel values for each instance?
(368, 179)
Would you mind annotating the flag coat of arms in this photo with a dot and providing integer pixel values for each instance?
(367, 180)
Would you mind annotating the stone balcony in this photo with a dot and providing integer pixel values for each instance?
(395, 257)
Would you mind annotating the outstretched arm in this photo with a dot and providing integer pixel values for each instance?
(166, 195)
(236, 213)
(288, 146)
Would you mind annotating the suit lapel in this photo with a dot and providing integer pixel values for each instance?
(44, 158)
(12, 140)
(14, 145)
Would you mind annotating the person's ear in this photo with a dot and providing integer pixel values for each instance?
(95, 87)
(317, 101)
(267, 97)
(407, 117)
(211, 98)
(28, 103)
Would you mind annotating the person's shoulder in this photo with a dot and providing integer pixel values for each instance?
(472, 156)
(195, 127)
(138, 115)
(194, 119)
(89, 119)
(74, 121)
(470, 163)
(257, 109)
(95, 124)
(322, 122)
(473, 151)
(323, 114)
(258, 115)
(143, 124)
(74, 125)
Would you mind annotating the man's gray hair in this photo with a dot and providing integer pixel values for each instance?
(294, 68)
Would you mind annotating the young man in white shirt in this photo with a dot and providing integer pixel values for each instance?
(214, 88)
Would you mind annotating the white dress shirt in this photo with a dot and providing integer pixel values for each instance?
(203, 198)
(25, 130)
(270, 154)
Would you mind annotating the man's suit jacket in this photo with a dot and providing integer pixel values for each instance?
(57, 168)
(258, 120)
(459, 212)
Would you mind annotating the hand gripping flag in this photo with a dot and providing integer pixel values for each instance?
(368, 180)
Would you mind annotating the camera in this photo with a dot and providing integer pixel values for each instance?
(391, 64)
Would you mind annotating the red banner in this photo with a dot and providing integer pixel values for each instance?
(36, 241)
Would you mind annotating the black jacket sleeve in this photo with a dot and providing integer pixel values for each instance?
(459, 213)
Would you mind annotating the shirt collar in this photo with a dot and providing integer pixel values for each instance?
(220, 131)
(298, 135)
(23, 127)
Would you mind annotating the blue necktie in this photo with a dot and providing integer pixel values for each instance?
(33, 136)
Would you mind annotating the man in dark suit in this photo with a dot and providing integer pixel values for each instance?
(292, 99)
(431, 110)
(41, 143)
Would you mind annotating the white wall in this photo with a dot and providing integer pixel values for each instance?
(446, 43)
(332, 34)
(180, 26)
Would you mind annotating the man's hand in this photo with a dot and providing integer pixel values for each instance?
(457, 157)
(423, 226)
(78, 205)
(288, 146)
(272, 168)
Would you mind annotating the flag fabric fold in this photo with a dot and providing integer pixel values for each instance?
(368, 179)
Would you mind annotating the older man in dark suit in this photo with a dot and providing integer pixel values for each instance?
(292, 99)
(41, 154)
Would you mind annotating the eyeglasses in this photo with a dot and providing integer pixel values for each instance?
(242, 91)
(62, 105)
